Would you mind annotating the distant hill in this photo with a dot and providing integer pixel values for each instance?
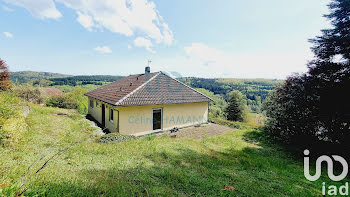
(256, 90)
(26, 76)
(60, 79)
(85, 79)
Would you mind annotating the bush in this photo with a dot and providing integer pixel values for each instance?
(29, 94)
(62, 102)
(74, 99)
(82, 101)
(113, 138)
(305, 110)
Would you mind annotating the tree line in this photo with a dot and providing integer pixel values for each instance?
(84, 79)
(255, 90)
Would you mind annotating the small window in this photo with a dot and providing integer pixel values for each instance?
(97, 104)
(91, 103)
(111, 115)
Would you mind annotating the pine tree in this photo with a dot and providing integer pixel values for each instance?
(334, 41)
(329, 73)
(236, 106)
(4, 76)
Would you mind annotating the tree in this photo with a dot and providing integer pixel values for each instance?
(4, 76)
(236, 108)
(314, 105)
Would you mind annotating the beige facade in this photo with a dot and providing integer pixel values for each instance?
(137, 120)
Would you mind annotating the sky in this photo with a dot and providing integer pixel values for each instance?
(200, 38)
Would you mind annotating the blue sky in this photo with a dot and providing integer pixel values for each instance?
(203, 38)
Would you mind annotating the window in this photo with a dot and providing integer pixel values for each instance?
(91, 103)
(96, 104)
(111, 115)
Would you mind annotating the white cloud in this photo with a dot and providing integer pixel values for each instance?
(129, 46)
(203, 53)
(4, 7)
(8, 34)
(103, 49)
(85, 20)
(205, 61)
(126, 17)
(143, 42)
(43, 9)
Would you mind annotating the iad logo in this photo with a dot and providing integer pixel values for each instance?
(329, 165)
(332, 190)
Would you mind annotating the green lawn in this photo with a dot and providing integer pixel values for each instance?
(149, 166)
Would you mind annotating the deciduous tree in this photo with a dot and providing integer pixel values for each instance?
(4, 76)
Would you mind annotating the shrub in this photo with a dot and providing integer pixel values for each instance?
(74, 99)
(29, 93)
(62, 102)
(82, 101)
(113, 138)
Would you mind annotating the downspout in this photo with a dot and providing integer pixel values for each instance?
(118, 121)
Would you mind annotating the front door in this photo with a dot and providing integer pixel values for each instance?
(103, 116)
(157, 119)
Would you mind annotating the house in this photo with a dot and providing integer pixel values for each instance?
(147, 103)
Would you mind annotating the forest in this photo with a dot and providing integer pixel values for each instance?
(255, 90)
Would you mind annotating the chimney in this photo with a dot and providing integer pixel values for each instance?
(147, 70)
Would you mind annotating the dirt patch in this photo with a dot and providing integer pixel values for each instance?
(61, 114)
(199, 132)
(25, 111)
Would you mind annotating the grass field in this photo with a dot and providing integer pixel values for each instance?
(238, 163)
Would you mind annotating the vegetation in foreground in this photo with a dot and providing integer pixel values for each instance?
(231, 164)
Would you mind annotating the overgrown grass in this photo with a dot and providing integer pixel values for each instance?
(253, 120)
(12, 123)
(243, 160)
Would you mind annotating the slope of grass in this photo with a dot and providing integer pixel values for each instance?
(242, 161)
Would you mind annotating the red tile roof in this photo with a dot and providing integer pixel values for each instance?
(47, 92)
(147, 89)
